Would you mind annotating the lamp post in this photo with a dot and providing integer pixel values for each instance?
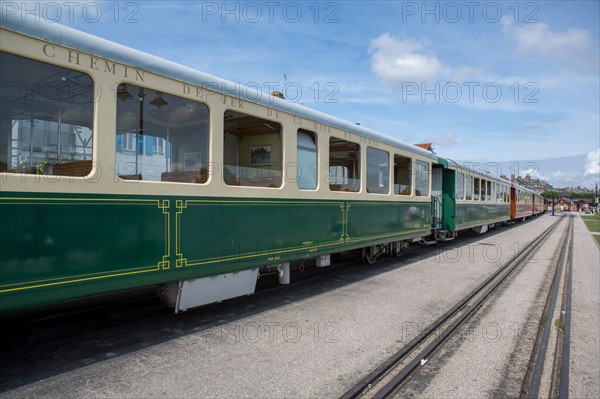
(596, 198)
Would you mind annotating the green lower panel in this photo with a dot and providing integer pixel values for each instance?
(220, 235)
(468, 215)
(372, 222)
(54, 247)
(58, 247)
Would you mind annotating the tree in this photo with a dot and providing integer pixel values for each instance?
(550, 194)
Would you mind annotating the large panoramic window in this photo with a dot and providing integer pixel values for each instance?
(307, 160)
(402, 175)
(160, 137)
(252, 151)
(344, 165)
(422, 179)
(46, 118)
(378, 175)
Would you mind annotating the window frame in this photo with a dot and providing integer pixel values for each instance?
(67, 149)
(178, 160)
(385, 179)
(462, 186)
(354, 187)
(419, 173)
(316, 152)
(409, 174)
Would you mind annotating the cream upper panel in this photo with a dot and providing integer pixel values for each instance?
(107, 75)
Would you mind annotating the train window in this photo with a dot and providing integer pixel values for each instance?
(498, 192)
(483, 191)
(460, 185)
(344, 165)
(476, 189)
(402, 175)
(378, 171)
(469, 188)
(489, 193)
(422, 179)
(307, 160)
(252, 151)
(160, 137)
(46, 118)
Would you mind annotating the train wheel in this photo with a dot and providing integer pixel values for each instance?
(399, 248)
(368, 255)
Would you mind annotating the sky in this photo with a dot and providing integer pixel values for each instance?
(514, 83)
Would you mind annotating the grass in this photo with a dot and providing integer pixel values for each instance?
(560, 325)
(592, 222)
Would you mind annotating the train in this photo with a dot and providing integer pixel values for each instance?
(122, 170)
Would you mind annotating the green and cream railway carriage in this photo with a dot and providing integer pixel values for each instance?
(123, 170)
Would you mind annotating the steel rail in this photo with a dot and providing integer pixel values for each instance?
(566, 348)
(532, 391)
(364, 384)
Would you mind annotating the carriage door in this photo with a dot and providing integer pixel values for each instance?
(449, 199)
(436, 196)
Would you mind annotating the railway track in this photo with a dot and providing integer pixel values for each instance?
(387, 379)
(557, 313)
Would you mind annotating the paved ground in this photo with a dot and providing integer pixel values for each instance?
(490, 356)
(304, 342)
(585, 322)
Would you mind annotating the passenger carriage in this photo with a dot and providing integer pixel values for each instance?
(123, 170)
(482, 201)
(522, 203)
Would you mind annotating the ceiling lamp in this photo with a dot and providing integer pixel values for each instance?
(158, 101)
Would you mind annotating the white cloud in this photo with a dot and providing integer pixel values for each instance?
(402, 60)
(592, 165)
(573, 45)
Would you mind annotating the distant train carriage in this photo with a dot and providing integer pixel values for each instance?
(539, 204)
(521, 202)
(482, 200)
